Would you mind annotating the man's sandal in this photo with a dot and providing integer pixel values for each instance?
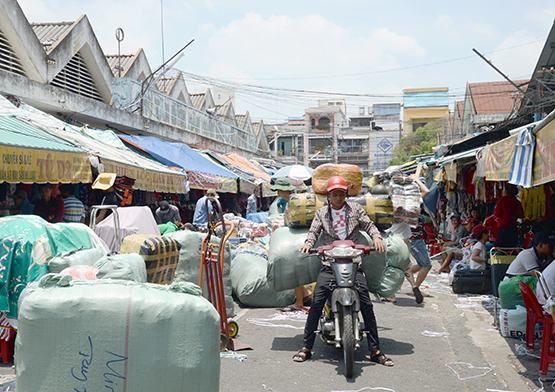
(303, 355)
(381, 359)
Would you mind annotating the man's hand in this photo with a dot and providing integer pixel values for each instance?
(305, 249)
(379, 245)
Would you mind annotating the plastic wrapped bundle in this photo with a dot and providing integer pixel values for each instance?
(288, 268)
(405, 196)
(509, 291)
(130, 266)
(161, 255)
(378, 207)
(302, 207)
(78, 257)
(351, 173)
(250, 285)
(116, 335)
(188, 267)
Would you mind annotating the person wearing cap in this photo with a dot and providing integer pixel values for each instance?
(104, 183)
(341, 220)
(479, 253)
(252, 202)
(49, 208)
(284, 188)
(167, 212)
(202, 209)
(528, 261)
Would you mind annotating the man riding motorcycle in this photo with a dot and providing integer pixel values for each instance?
(341, 220)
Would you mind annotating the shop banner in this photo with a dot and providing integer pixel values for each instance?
(499, 159)
(148, 180)
(544, 158)
(28, 165)
(246, 186)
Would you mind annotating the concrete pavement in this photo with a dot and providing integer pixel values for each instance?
(446, 344)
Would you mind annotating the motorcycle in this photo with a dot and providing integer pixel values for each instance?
(339, 323)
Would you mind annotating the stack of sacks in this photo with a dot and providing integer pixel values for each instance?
(378, 207)
(188, 267)
(116, 335)
(405, 196)
(288, 268)
(351, 173)
(250, 284)
(301, 209)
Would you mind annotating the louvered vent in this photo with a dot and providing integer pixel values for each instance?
(76, 77)
(8, 59)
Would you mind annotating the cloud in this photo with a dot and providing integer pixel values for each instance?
(517, 62)
(281, 45)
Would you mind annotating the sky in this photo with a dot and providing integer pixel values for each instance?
(366, 47)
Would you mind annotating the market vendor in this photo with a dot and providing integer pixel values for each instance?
(507, 211)
(529, 260)
(452, 248)
(284, 188)
(167, 212)
(202, 209)
(22, 205)
(50, 208)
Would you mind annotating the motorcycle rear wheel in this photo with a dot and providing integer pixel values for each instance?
(348, 338)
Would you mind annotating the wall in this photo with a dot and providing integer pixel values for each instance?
(382, 144)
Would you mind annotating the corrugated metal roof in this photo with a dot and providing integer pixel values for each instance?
(166, 84)
(459, 106)
(49, 34)
(198, 100)
(14, 132)
(496, 97)
(127, 61)
(257, 127)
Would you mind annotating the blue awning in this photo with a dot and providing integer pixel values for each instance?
(178, 154)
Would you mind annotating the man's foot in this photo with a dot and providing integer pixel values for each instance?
(304, 354)
(294, 308)
(418, 295)
(380, 358)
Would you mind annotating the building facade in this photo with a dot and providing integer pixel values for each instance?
(422, 106)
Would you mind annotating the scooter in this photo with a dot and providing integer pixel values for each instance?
(339, 323)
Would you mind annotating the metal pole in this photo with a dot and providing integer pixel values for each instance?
(162, 29)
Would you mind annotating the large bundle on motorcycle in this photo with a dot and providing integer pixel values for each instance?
(288, 268)
(405, 196)
(161, 255)
(351, 173)
(27, 242)
(116, 335)
(188, 267)
(250, 284)
(378, 207)
(302, 207)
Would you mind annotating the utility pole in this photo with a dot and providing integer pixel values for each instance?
(502, 74)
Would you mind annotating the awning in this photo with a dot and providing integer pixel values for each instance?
(149, 175)
(29, 155)
(203, 172)
(499, 159)
(544, 158)
(247, 166)
(462, 156)
(246, 184)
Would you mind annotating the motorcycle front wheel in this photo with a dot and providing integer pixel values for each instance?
(348, 340)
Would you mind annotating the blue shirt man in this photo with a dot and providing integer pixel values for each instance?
(200, 218)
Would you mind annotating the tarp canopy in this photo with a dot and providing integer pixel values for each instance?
(203, 172)
(461, 156)
(29, 154)
(148, 174)
(246, 183)
(247, 166)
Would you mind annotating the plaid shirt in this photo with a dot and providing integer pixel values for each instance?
(357, 219)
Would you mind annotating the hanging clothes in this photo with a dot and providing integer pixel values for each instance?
(523, 159)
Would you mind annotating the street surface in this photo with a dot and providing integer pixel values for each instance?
(446, 344)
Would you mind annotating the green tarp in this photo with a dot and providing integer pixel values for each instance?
(27, 242)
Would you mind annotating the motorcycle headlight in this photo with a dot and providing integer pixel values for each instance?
(338, 253)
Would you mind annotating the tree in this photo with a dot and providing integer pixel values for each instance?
(419, 142)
